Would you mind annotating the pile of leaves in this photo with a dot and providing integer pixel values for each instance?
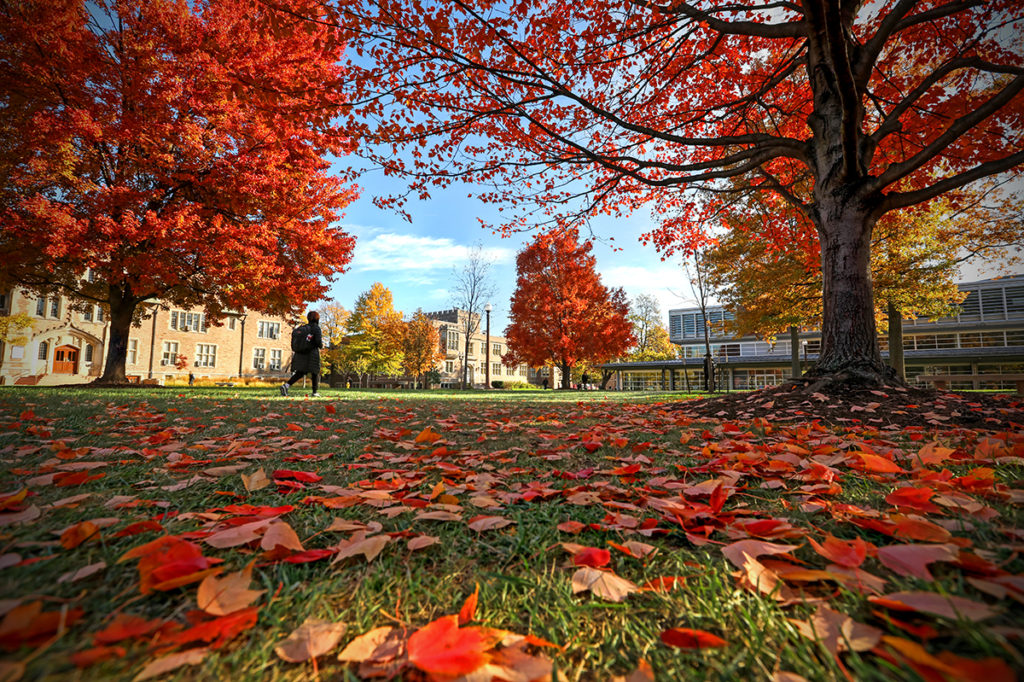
(585, 541)
(857, 406)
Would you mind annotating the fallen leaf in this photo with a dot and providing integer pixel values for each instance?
(166, 664)
(82, 573)
(311, 639)
(685, 638)
(604, 584)
(257, 480)
(949, 606)
(838, 632)
(443, 648)
(914, 559)
(219, 596)
(280, 534)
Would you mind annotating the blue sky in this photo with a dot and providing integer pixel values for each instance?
(415, 259)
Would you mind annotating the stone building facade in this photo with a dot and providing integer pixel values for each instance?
(68, 344)
(451, 324)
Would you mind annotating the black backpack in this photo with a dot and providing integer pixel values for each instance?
(302, 339)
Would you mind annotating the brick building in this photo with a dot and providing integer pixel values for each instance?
(451, 324)
(67, 344)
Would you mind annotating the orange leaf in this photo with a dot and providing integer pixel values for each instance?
(221, 596)
(685, 638)
(98, 654)
(845, 553)
(468, 610)
(444, 648)
(79, 533)
(126, 626)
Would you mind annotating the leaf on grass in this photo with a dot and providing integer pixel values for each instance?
(643, 673)
(380, 652)
(604, 584)
(950, 606)
(427, 435)
(574, 527)
(94, 655)
(280, 534)
(78, 534)
(221, 596)
(126, 626)
(685, 638)
(914, 559)
(592, 556)
(369, 547)
(238, 535)
(257, 480)
(443, 648)
(421, 541)
(838, 632)
(311, 639)
(738, 552)
(468, 611)
(166, 664)
(665, 583)
(637, 550)
(484, 523)
(848, 553)
(82, 573)
(30, 514)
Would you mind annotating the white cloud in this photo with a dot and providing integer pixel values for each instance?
(667, 282)
(393, 252)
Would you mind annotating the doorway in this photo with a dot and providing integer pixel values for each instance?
(65, 360)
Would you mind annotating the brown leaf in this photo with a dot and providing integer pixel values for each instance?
(82, 573)
(838, 632)
(421, 541)
(914, 559)
(484, 523)
(238, 535)
(311, 639)
(221, 596)
(950, 607)
(738, 552)
(369, 547)
(280, 534)
(257, 480)
(604, 584)
(171, 662)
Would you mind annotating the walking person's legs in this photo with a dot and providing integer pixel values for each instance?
(286, 385)
(316, 383)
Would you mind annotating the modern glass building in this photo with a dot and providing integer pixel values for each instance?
(986, 337)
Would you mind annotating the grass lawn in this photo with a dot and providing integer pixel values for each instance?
(790, 551)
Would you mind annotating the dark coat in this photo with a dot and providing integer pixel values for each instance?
(309, 361)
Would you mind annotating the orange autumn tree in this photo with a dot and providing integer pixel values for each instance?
(847, 110)
(163, 150)
(422, 348)
(561, 313)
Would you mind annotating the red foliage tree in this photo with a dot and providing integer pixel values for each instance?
(846, 109)
(561, 313)
(156, 149)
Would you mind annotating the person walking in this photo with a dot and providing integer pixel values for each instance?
(306, 344)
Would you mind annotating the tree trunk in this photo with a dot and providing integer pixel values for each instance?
(896, 341)
(566, 375)
(849, 339)
(794, 351)
(122, 310)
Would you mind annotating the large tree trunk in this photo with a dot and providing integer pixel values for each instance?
(566, 375)
(122, 311)
(849, 339)
(896, 341)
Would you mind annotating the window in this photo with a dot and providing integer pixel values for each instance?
(99, 313)
(970, 309)
(453, 340)
(206, 355)
(188, 322)
(496, 348)
(449, 366)
(992, 339)
(496, 369)
(3, 301)
(55, 306)
(259, 358)
(170, 353)
(88, 352)
(992, 306)
(970, 340)
(90, 276)
(44, 350)
(1014, 301)
(268, 330)
(87, 314)
(483, 349)
(231, 323)
(133, 351)
(1015, 338)
(523, 370)
(41, 307)
(276, 355)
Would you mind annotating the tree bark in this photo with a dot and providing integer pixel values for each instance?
(794, 351)
(849, 339)
(566, 375)
(122, 311)
(896, 340)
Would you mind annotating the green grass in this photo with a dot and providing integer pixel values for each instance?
(501, 442)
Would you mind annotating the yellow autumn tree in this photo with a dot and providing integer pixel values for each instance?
(333, 321)
(373, 334)
(421, 346)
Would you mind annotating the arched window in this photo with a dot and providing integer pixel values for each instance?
(44, 350)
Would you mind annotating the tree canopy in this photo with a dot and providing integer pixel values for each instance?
(560, 312)
(154, 149)
(845, 110)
